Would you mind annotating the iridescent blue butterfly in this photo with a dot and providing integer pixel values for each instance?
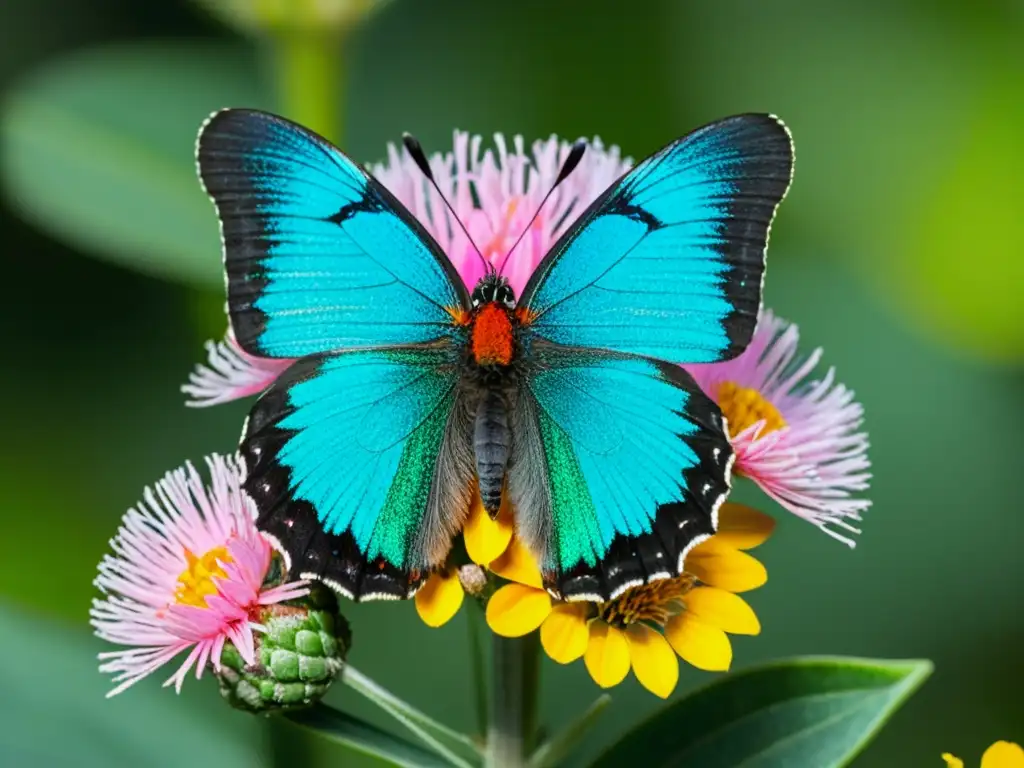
(411, 393)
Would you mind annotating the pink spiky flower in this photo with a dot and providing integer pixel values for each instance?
(494, 193)
(799, 439)
(186, 574)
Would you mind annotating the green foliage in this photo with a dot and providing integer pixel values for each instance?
(807, 712)
(53, 712)
(98, 150)
(365, 738)
(457, 748)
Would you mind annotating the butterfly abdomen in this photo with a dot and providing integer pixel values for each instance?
(492, 443)
(493, 340)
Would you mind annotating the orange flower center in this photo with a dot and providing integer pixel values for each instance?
(654, 602)
(745, 407)
(195, 583)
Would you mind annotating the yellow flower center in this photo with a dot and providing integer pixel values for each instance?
(654, 602)
(195, 583)
(745, 407)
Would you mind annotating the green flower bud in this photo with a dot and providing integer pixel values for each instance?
(298, 657)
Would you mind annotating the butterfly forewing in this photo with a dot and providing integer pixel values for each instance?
(319, 256)
(669, 261)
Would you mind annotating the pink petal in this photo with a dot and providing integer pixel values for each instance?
(230, 373)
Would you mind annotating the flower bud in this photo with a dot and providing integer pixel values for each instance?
(299, 655)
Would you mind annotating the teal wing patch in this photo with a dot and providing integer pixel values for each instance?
(360, 467)
(619, 465)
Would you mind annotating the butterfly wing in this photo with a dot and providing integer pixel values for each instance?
(668, 261)
(360, 464)
(619, 466)
(319, 256)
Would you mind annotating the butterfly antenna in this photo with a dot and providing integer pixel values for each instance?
(415, 150)
(571, 161)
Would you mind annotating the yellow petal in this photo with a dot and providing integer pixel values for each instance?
(726, 568)
(486, 539)
(654, 663)
(702, 645)
(743, 527)
(564, 633)
(1003, 754)
(607, 656)
(517, 564)
(952, 762)
(439, 599)
(723, 610)
(516, 610)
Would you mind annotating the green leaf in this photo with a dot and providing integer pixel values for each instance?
(814, 711)
(97, 149)
(364, 737)
(458, 748)
(553, 752)
(53, 711)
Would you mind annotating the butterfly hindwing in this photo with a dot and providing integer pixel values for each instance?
(360, 465)
(319, 255)
(668, 262)
(619, 465)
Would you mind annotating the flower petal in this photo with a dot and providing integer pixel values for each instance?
(516, 610)
(607, 656)
(564, 633)
(654, 663)
(742, 527)
(518, 564)
(952, 762)
(485, 538)
(230, 373)
(722, 609)
(726, 568)
(1003, 754)
(700, 644)
(439, 599)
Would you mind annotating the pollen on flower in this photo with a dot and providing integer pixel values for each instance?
(654, 602)
(195, 583)
(743, 407)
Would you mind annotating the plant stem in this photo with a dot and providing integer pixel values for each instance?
(478, 670)
(514, 689)
(309, 74)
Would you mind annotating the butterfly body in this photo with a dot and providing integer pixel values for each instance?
(412, 393)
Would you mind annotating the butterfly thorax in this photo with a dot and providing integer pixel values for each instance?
(492, 329)
(492, 335)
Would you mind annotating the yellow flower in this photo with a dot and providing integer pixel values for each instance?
(486, 540)
(1002, 754)
(646, 626)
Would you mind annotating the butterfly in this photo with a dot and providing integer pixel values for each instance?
(412, 393)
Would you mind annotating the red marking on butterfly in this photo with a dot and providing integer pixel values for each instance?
(525, 315)
(492, 341)
(459, 316)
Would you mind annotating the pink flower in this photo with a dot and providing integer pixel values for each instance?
(231, 373)
(186, 574)
(495, 194)
(799, 439)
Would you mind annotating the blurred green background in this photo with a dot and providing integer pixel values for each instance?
(898, 251)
